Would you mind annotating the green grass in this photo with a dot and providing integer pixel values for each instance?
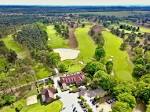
(11, 44)
(41, 71)
(144, 29)
(85, 44)
(55, 106)
(87, 48)
(55, 40)
(122, 65)
(73, 65)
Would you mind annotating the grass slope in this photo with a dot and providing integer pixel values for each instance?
(122, 65)
(55, 40)
(11, 44)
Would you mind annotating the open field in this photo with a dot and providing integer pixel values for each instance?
(122, 65)
(11, 44)
(55, 40)
(115, 13)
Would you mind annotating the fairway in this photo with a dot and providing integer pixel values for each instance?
(87, 48)
(55, 40)
(122, 65)
(11, 44)
(85, 44)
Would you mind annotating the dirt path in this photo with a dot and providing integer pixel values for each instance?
(73, 43)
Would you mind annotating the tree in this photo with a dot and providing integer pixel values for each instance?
(127, 98)
(139, 70)
(92, 67)
(62, 68)
(143, 91)
(12, 56)
(53, 59)
(123, 46)
(103, 80)
(121, 107)
(147, 56)
(99, 53)
(9, 99)
(145, 78)
(138, 51)
(123, 87)
(148, 108)
(33, 36)
(109, 67)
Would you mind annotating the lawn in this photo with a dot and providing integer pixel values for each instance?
(55, 106)
(122, 65)
(11, 44)
(55, 40)
(41, 71)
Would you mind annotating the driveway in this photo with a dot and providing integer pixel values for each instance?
(70, 100)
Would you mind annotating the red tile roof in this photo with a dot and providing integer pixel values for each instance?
(73, 78)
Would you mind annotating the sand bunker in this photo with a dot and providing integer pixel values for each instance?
(67, 53)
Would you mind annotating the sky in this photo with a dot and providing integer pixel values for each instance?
(75, 2)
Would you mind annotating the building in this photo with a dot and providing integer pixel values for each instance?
(47, 95)
(75, 78)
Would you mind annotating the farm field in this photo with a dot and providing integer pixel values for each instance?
(54, 40)
(122, 65)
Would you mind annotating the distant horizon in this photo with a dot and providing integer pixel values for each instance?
(76, 5)
(76, 2)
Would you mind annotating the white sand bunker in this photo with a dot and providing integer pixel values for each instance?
(67, 53)
(32, 100)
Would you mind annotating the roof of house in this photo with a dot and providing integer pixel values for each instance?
(73, 78)
(48, 94)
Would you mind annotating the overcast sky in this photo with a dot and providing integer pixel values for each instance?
(75, 2)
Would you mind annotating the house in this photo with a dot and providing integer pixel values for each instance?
(47, 95)
(75, 78)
